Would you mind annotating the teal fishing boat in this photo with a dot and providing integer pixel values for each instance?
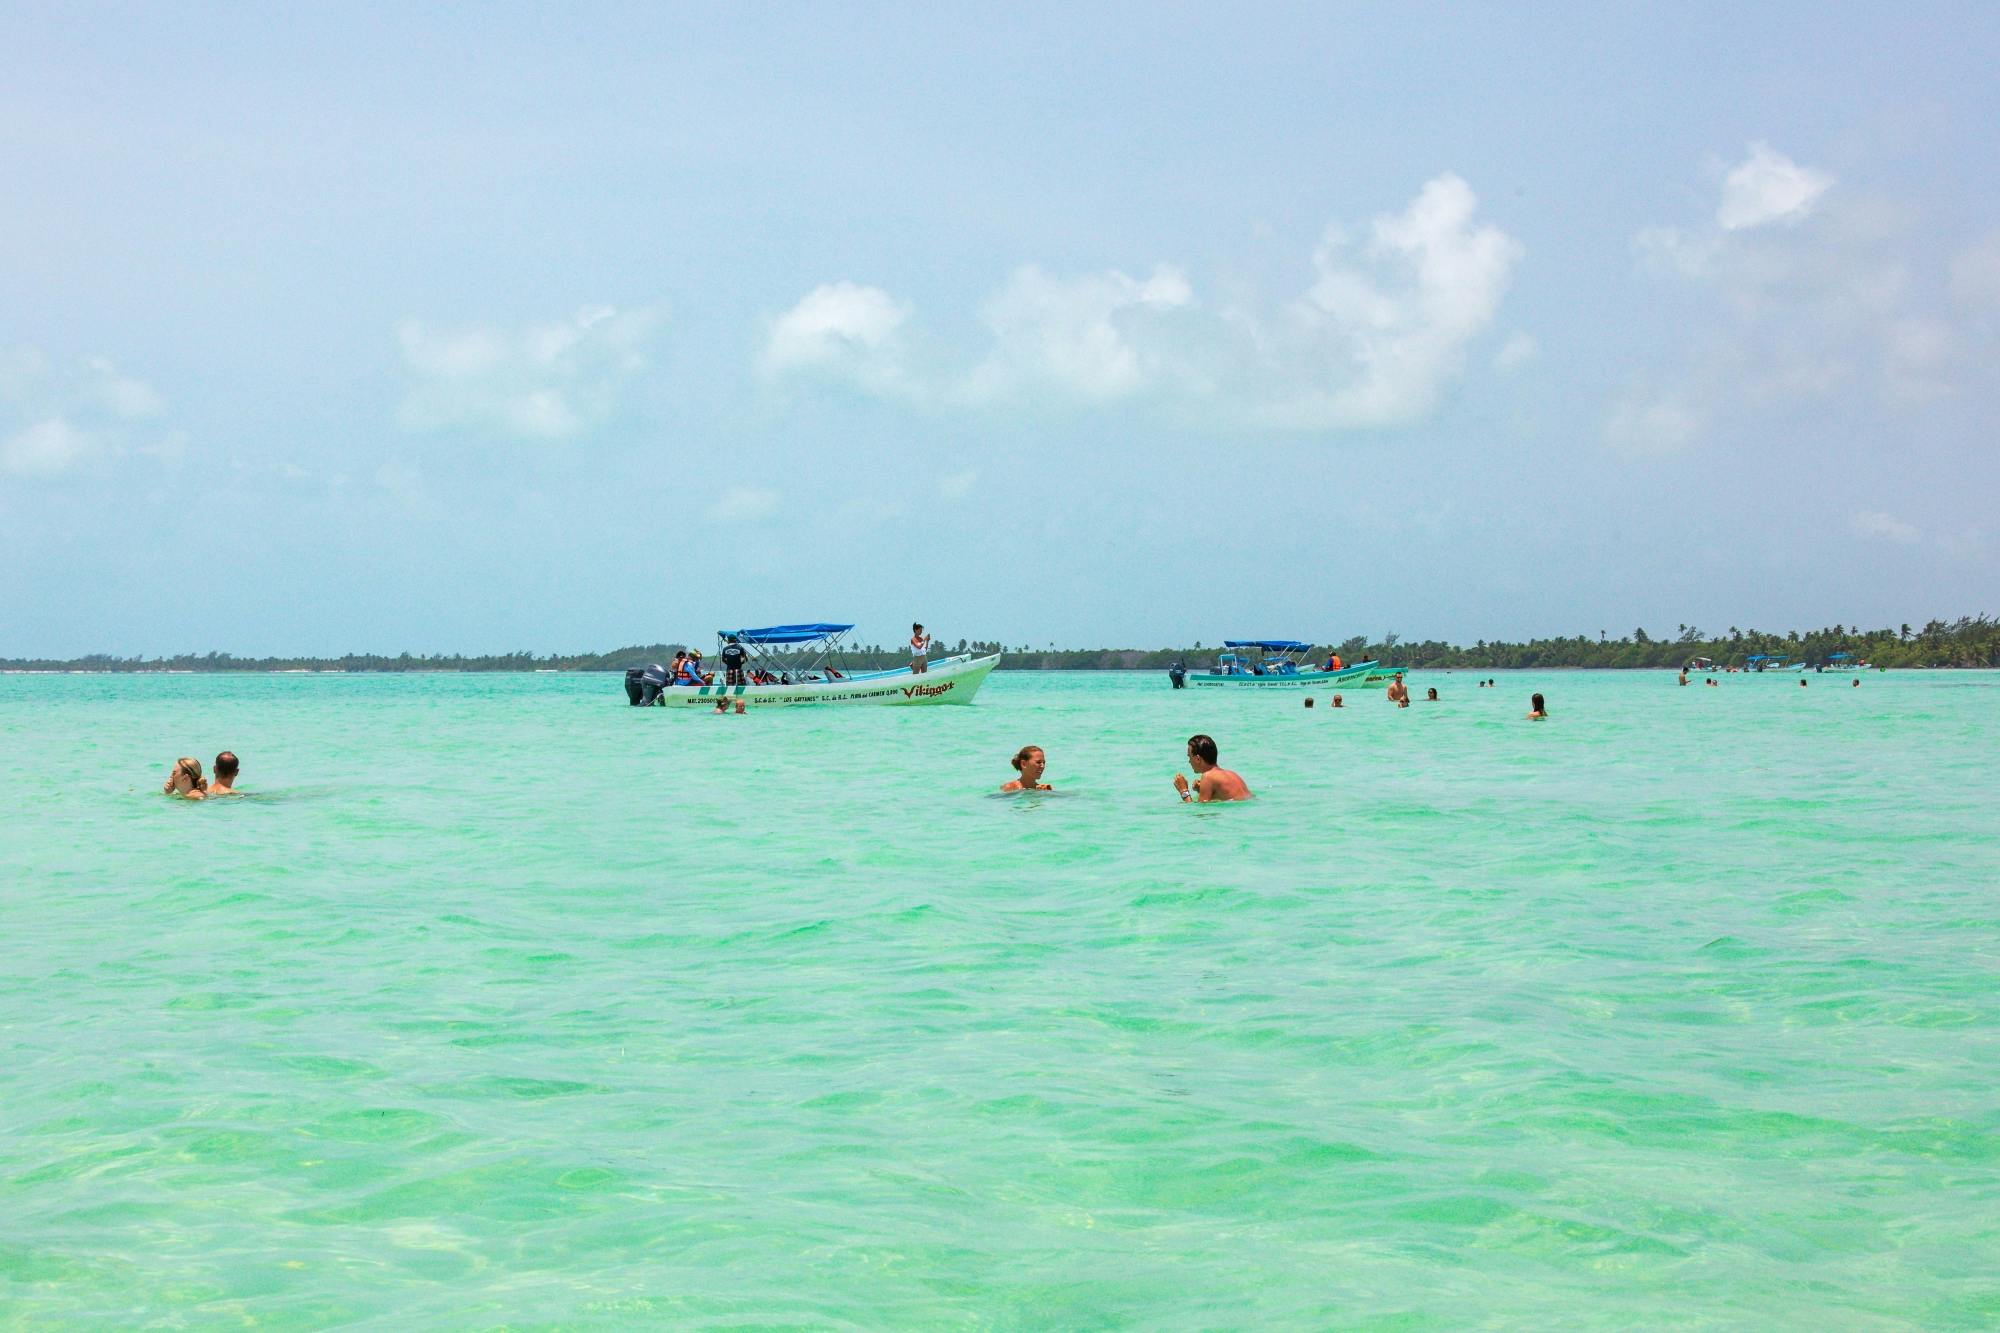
(1280, 663)
(1758, 664)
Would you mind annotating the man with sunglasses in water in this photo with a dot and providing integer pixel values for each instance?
(1211, 783)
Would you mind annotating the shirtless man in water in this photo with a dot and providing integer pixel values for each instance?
(226, 769)
(1211, 783)
(1399, 693)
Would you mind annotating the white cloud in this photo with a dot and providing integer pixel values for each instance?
(958, 485)
(1516, 352)
(1975, 275)
(48, 448)
(1964, 544)
(1917, 356)
(1395, 317)
(1768, 187)
(1088, 337)
(843, 328)
(1668, 250)
(1381, 331)
(1797, 314)
(122, 396)
(61, 415)
(1875, 524)
(1651, 425)
(743, 504)
(546, 381)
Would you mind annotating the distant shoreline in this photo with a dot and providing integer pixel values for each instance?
(612, 671)
(1969, 641)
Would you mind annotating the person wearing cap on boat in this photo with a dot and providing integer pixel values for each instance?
(733, 657)
(920, 647)
(686, 669)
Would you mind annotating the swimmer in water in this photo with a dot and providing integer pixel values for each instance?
(1537, 710)
(1431, 696)
(1212, 783)
(1399, 693)
(1309, 701)
(1030, 763)
(225, 775)
(1336, 702)
(185, 781)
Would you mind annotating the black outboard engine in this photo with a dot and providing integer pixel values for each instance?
(643, 684)
(1177, 673)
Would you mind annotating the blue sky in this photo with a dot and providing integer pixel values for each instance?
(338, 327)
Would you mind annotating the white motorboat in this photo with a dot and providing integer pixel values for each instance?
(790, 665)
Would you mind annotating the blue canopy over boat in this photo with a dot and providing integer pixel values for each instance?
(1837, 657)
(1276, 645)
(1763, 657)
(784, 633)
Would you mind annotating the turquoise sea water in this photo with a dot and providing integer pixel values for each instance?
(504, 1003)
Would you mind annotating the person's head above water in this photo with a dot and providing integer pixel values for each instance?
(185, 779)
(1336, 701)
(1030, 763)
(1309, 701)
(1201, 752)
(1431, 695)
(1536, 708)
(226, 766)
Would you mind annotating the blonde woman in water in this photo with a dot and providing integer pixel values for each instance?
(1029, 763)
(185, 781)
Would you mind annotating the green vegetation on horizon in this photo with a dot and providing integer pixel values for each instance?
(1969, 641)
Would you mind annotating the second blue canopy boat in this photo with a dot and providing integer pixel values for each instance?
(1257, 663)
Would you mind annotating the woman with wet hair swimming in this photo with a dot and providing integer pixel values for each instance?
(1029, 762)
(185, 781)
(1537, 710)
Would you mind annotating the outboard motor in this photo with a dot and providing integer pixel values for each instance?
(643, 684)
(1177, 673)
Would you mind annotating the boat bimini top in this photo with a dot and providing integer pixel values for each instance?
(789, 653)
(1283, 659)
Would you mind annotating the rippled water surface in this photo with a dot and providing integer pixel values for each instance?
(502, 1002)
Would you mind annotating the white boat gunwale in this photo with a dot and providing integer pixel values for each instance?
(949, 680)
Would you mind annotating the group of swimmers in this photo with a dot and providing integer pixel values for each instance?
(1713, 681)
(185, 780)
(1399, 695)
(1211, 781)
